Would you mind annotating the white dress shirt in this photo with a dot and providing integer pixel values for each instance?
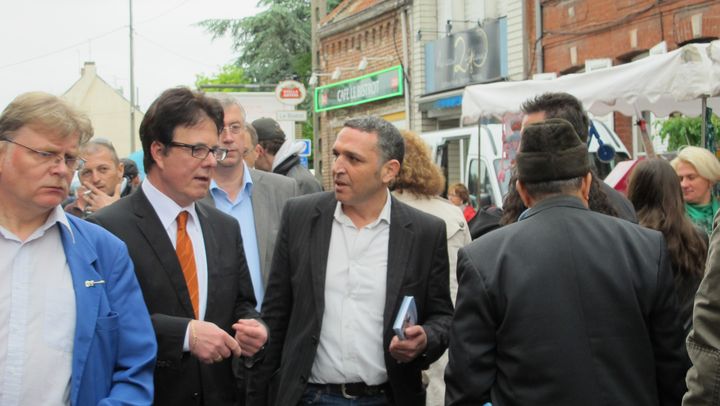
(167, 210)
(351, 338)
(37, 316)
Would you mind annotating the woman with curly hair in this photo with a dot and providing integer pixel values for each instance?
(654, 190)
(419, 184)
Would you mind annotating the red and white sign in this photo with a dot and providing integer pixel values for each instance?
(290, 92)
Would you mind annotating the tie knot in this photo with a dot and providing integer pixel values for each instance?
(182, 219)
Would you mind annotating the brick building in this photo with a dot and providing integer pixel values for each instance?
(375, 33)
(426, 50)
(575, 31)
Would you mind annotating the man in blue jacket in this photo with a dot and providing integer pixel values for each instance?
(74, 328)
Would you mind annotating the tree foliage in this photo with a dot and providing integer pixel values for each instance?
(274, 44)
(228, 75)
(681, 131)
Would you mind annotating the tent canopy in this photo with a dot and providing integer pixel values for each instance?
(662, 84)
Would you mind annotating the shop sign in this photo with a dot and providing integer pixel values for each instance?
(364, 89)
(290, 92)
(478, 55)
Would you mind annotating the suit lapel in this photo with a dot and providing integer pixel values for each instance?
(260, 202)
(321, 225)
(212, 253)
(400, 244)
(157, 239)
(81, 258)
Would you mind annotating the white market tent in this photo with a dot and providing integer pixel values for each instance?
(661, 84)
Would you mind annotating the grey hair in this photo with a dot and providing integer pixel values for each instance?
(227, 101)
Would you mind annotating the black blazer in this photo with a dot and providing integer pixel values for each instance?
(294, 299)
(566, 307)
(181, 379)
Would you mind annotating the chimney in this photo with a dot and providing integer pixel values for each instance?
(88, 69)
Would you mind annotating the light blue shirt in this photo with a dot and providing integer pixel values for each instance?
(242, 210)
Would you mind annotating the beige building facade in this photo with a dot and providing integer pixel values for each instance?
(107, 108)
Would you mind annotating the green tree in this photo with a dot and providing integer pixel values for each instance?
(228, 75)
(272, 45)
(681, 130)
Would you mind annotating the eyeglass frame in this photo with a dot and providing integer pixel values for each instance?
(201, 147)
(229, 128)
(77, 162)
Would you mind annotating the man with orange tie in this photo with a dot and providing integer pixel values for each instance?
(188, 256)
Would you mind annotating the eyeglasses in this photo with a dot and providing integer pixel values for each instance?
(73, 163)
(233, 128)
(201, 151)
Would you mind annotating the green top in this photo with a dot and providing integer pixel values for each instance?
(702, 215)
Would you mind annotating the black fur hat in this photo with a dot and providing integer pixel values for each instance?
(551, 150)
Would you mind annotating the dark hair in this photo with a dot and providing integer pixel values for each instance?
(390, 143)
(130, 169)
(177, 107)
(654, 189)
(272, 146)
(560, 105)
(541, 190)
(513, 205)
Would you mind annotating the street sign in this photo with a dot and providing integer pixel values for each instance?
(291, 115)
(290, 92)
(308, 147)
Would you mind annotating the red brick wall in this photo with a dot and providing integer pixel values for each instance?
(379, 37)
(602, 29)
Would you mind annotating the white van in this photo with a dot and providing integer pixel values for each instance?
(456, 151)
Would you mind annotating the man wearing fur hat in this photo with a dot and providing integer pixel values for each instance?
(545, 315)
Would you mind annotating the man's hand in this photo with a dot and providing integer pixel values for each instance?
(413, 345)
(97, 199)
(209, 343)
(251, 335)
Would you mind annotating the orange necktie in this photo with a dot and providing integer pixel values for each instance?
(186, 256)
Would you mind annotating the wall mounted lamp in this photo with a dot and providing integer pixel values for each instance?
(365, 59)
(314, 78)
(338, 72)
(418, 35)
(448, 24)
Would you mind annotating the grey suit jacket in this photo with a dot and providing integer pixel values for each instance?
(269, 194)
(295, 297)
(179, 377)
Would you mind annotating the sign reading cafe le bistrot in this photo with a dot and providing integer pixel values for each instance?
(374, 86)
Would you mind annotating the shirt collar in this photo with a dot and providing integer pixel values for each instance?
(247, 182)
(384, 216)
(165, 207)
(56, 215)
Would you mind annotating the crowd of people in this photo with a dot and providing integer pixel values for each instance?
(229, 277)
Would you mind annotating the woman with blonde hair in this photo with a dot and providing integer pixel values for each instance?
(698, 170)
(419, 184)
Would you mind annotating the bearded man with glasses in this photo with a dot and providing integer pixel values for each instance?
(73, 325)
(188, 256)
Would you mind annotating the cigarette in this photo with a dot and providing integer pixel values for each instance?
(87, 192)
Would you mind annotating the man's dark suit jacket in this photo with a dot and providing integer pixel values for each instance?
(294, 300)
(180, 379)
(566, 307)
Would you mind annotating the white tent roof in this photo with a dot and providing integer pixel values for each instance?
(662, 84)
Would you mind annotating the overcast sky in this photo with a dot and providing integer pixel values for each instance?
(44, 43)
